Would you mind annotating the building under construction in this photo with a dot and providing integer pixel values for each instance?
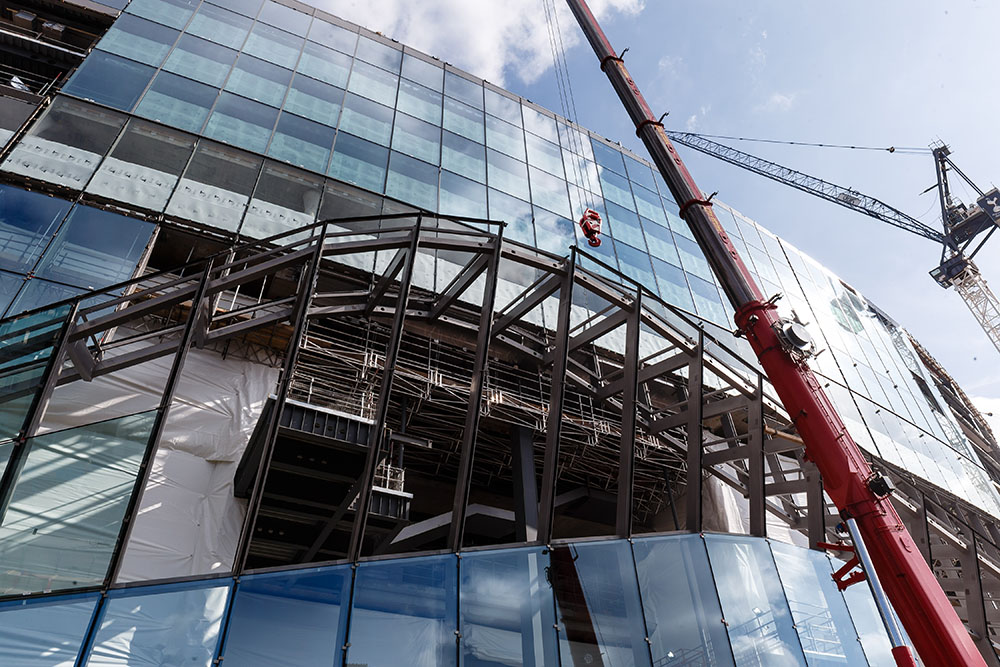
(287, 307)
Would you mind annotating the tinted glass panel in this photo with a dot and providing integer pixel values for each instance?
(639, 173)
(314, 100)
(245, 7)
(412, 181)
(624, 225)
(333, 36)
(544, 155)
(379, 54)
(238, 121)
(200, 60)
(617, 189)
(673, 285)
(707, 300)
(417, 138)
(635, 264)
(285, 18)
(284, 199)
(374, 83)
(302, 142)
(463, 119)
(360, 162)
(273, 45)
(540, 124)
(556, 234)
(423, 72)
(648, 204)
(109, 79)
(259, 80)
(138, 39)
(174, 13)
(177, 101)
(549, 192)
(321, 63)
(462, 89)
(693, 258)
(42, 633)
(504, 107)
(216, 187)
(27, 222)
(366, 119)
(220, 26)
(462, 156)
(419, 101)
(462, 197)
(608, 157)
(516, 213)
(505, 137)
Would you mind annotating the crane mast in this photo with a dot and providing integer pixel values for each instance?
(858, 492)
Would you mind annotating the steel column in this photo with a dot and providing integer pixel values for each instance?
(755, 462)
(694, 448)
(975, 605)
(626, 452)
(522, 448)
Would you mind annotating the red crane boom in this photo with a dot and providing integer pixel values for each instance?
(937, 633)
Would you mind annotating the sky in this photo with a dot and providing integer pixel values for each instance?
(889, 73)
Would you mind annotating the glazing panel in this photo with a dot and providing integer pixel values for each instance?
(109, 79)
(423, 72)
(220, 26)
(374, 83)
(360, 162)
(624, 224)
(200, 60)
(174, 13)
(753, 604)
(419, 101)
(417, 138)
(95, 248)
(505, 137)
(176, 101)
(284, 17)
(274, 45)
(635, 264)
(462, 197)
(463, 119)
(314, 100)
(544, 155)
(138, 39)
(379, 54)
(648, 205)
(554, 232)
(10, 283)
(463, 90)
(575, 140)
(868, 622)
(581, 172)
(245, 7)
(503, 107)
(289, 618)
(707, 301)
(27, 222)
(334, 36)
(412, 181)
(639, 173)
(507, 174)
(549, 192)
(597, 602)
(324, 64)
(608, 157)
(516, 213)
(464, 157)
(302, 142)
(673, 285)
(175, 625)
(259, 80)
(617, 189)
(366, 119)
(37, 293)
(238, 121)
(216, 187)
(693, 258)
(506, 609)
(144, 166)
(411, 600)
(45, 632)
(285, 199)
(661, 243)
(540, 124)
(67, 505)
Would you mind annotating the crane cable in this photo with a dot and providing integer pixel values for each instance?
(904, 150)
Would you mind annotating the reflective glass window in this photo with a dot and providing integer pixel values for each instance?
(176, 101)
(597, 601)
(285, 198)
(608, 157)
(321, 63)
(27, 222)
(66, 509)
(259, 80)
(673, 285)
(274, 45)
(576, 140)
(138, 39)
(109, 79)
(639, 173)
(416, 138)
(200, 60)
(377, 53)
(174, 13)
(464, 157)
(661, 243)
(581, 172)
(314, 100)
(245, 7)
(302, 142)
(360, 162)
(544, 155)
(635, 264)
(693, 258)
(464, 90)
(540, 124)
(505, 137)
(503, 107)
(411, 600)
(707, 300)
(412, 181)
(333, 36)
(549, 192)
(220, 26)
(165, 625)
(284, 17)
(616, 189)
(683, 616)
(868, 622)
(37, 293)
(624, 224)
(507, 174)
(44, 632)
(144, 166)
(648, 205)
(554, 232)
(366, 119)
(419, 101)
(238, 121)
(425, 73)
(289, 618)
(462, 197)
(516, 213)
(216, 187)
(760, 624)
(374, 83)
(463, 119)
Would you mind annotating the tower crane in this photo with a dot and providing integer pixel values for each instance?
(961, 224)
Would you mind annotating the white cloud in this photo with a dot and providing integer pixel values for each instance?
(670, 66)
(777, 102)
(489, 39)
(694, 120)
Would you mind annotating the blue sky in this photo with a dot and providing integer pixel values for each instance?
(880, 74)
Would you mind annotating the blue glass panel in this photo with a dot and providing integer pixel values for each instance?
(138, 39)
(412, 181)
(37, 293)
(374, 83)
(274, 45)
(597, 598)
(419, 101)
(417, 138)
(503, 107)
(639, 173)
(616, 188)
(379, 54)
(673, 285)
(540, 124)
(321, 63)
(334, 36)
(462, 197)
(245, 7)
(165, 625)
(753, 604)
(200, 60)
(506, 609)
(460, 88)
(608, 157)
(463, 119)
(289, 618)
(285, 18)
(549, 192)
(648, 205)
(10, 283)
(238, 121)
(425, 73)
(174, 13)
(27, 222)
(624, 224)
(544, 155)
(707, 301)
(507, 174)
(367, 119)
(45, 632)
(635, 264)
(661, 243)
(412, 601)
(464, 157)
(360, 162)
(110, 80)
(302, 142)
(176, 101)
(554, 232)
(259, 80)
(693, 258)
(220, 26)
(504, 137)
(683, 616)
(314, 100)
(516, 213)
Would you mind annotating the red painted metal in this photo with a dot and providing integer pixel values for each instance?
(937, 633)
(590, 225)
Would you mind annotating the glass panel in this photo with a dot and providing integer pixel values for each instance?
(109, 80)
(463, 119)
(37, 293)
(379, 54)
(314, 100)
(419, 101)
(503, 107)
(200, 60)
(507, 174)
(673, 285)
(460, 88)
(639, 173)
(374, 83)
(174, 13)
(166, 627)
(555, 234)
(868, 622)
(661, 243)
(635, 264)
(648, 204)
(540, 124)
(220, 26)
(707, 301)
(624, 225)
(617, 189)
(505, 137)
(411, 600)
(10, 283)
(423, 72)
(544, 155)
(285, 18)
(68, 502)
(321, 63)
(463, 156)
(753, 604)
(259, 80)
(333, 36)
(549, 192)
(516, 213)
(95, 248)
(174, 100)
(683, 616)
(289, 618)
(360, 162)
(27, 222)
(608, 157)
(366, 119)
(302, 142)
(216, 187)
(273, 45)
(245, 7)
(285, 199)
(138, 39)
(412, 181)
(597, 599)
(693, 258)
(417, 138)
(462, 197)
(46, 632)
(144, 166)
(238, 121)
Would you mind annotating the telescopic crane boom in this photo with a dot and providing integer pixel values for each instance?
(858, 492)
